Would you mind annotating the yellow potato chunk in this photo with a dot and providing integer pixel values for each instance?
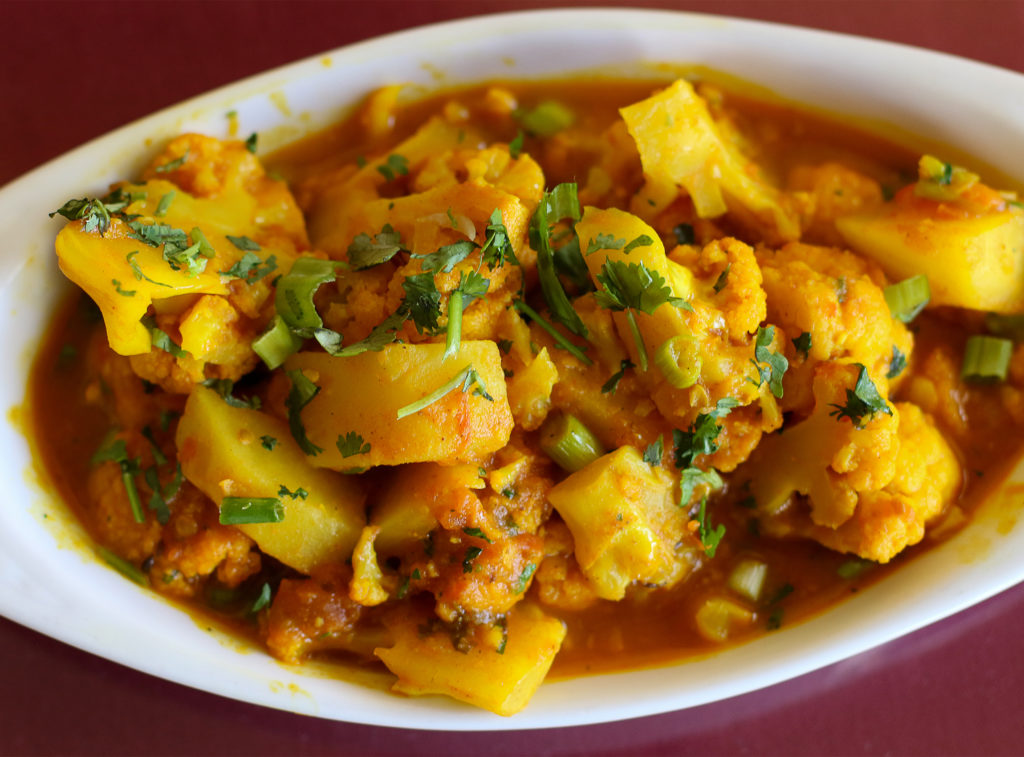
(971, 262)
(222, 453)
(502, 683)
(679, 142)
(624, 521)
(364, 393)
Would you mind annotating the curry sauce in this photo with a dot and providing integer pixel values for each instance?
(701, 323)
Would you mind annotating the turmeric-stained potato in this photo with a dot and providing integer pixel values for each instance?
(363, 394)
(625, 522)
(501, 682)
(227, 452)
(971, 261)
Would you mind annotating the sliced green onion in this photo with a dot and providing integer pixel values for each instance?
(679, 361)
(747, 579)
(453, 339)
(569, 443)
(548, 118)
(277, 343)
(907, 298)
(122, 566)
(986, 358)
(239, 510)
(295, 290)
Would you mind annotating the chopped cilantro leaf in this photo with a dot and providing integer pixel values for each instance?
(137, 270)
(609, 386)
(352, 444)
(497, 249)
(654, 452)
(263, 600)
(897, 363)
(464, 380)
(365, 252)
(723, 279)
(559, 204)
(243, 243)
(709, 537)
(641, 241)
(515, 147)
(803, 344)
(477, 534)
(524, 578)
(605, 242)
(299, 493)
(447, 257)
(268, 442)
(120, 291)
(701, 437)
(632, 286)
(161, 340)
(251, 142)
(684, 234)
(295, 290)
(561, 342)
(862, 402)
(394, 165)
(422, 302)
(471, 554)
(224, 387)
(251, 268)
(771, 366)
(301, 394)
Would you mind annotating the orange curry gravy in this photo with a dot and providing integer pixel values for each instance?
(650, 626)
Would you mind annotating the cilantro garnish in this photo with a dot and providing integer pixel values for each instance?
(268, 442)
(515, 147)
(560, 340)
(447, 257)
(301, 394)
(262, 600)
(251, 268)
(684, 234)
(464, 380)
(609, 386)
(295, 290)
(352, 444)
(224, 387)
(524, 578)
(471, 554)
(243, 243)
(394, 165)
(477, 534)
(605, 242)
(700, 439)
(366, 252)
(897, 363)
(632, 286)
(120, 291)
(709, 537)
(117, 452)
(654, 452)
(93, 212)
(299, 493)
(803, 344)
(172, 165)
(641, 241)
(251, 142)
(422, 302)
(723, 279)
(770, 366)
(497, 249)
(137, 270)
(559, 204)
(161, 340)
(862, 402)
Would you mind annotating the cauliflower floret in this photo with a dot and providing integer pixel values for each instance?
(870, 489)
(837, 190)
(837, 299)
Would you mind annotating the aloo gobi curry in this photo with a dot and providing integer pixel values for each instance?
(594, 375)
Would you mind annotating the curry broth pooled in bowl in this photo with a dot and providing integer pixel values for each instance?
(578, 376)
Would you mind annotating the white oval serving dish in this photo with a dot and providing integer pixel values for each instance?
(50, 579)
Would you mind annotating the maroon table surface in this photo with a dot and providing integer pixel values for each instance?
(74, 70)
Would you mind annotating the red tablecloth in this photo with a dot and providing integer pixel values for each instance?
(74, 70)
